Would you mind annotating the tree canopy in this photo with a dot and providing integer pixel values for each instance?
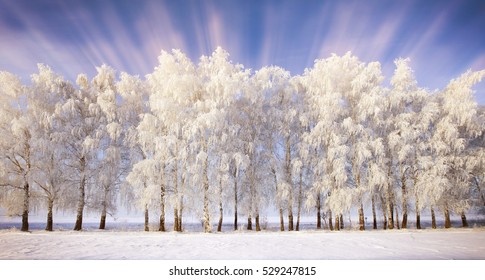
(211, 138)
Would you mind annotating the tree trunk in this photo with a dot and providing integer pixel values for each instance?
(258, 227)
(389, 200)
(397, 218)
(50, 206)
(82, 194)
(418, 214)
(290, 217)
(418, 220)
(26, 187)
(219, 225)
(181, 209)
(361, 206)
(330, 223)
(289, 181)
(25, 210)
(447, 217)
(207, 222)
(337, 222)
(181, 199)
(162, 221)
(319, 214)
(341, 221)
(205, 178)
(250, 224)
(221, 210)
(104, 204)
(282, 220)
(147, 220)
(463, 219)
(390, 209)
(433, 218)
(361, 217)
(252, 193)
(404, 202)
(300, 190)
(374, 215)
(102, 222)
(235, 197)
(162, 200)
(176, 195)
(175, 219)
(384, 212)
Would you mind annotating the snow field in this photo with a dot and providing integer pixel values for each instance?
(309, 245)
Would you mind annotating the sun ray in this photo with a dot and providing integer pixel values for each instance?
(75, 36)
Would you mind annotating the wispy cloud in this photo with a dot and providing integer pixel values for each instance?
(74, 36)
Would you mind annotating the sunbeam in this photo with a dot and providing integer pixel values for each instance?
(442, 38)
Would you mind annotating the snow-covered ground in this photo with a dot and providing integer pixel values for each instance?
(310, 244)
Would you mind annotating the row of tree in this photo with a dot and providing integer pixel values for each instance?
(215, 138)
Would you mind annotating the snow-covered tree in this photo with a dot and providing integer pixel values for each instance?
(281, 131)
(79, 120)
(112, 154)
(329, 86)
(204, 138)
(174, 88)
(476, 154)
(456, 126)
(134, 99)
(15, 147)
(361, 106)
(409, 113)
(221, 82)
(47, 91)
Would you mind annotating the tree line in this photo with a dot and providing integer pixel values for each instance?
(214, 139)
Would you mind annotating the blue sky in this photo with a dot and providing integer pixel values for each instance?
(442, 38)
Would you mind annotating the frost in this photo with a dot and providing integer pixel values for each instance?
(212, 138)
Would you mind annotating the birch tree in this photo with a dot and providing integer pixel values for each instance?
(410, 114)
(111, 151)
(174, 87)
(79, 119)
(361, 101)
(48, 91)
(221, 81)
(15, 146)
(273, 85)
(134, 98)
(325, 85)
(205, 138)
(451, 139)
